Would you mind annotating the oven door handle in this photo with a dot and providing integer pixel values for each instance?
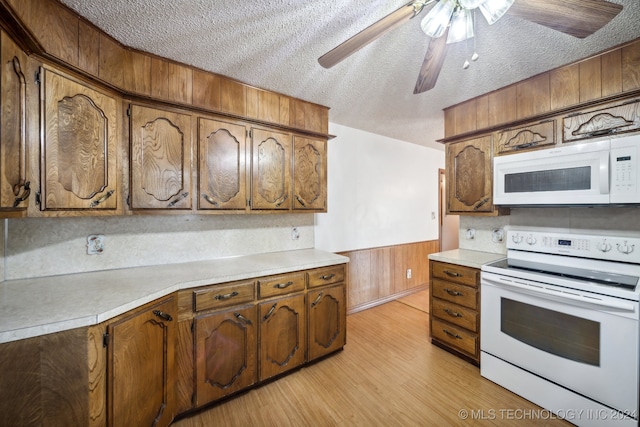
(538, 290)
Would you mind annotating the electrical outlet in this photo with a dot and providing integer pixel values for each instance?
(408, 273)
(295, 233)
(95, 244)
(471, 233)
(497, 235)
(433, 215)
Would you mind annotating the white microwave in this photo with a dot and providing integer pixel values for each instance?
(594, 173)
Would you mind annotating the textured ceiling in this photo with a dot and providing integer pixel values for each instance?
(274, 44)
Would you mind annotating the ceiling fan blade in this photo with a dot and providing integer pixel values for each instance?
(578, 18)
(432, 64)
(371, 33)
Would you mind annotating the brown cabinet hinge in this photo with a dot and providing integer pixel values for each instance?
(105, 339)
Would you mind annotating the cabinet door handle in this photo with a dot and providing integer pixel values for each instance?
(300, 201)
(101, 199)
(25, 194)
(317, 300)
(451, 334)
(452, 292)
(242, 318)
(452, 273)
(226, 296)
(328, 276)
(210, 200)
(266, 316)
(163, 315)
(452, 313)
(282, 285)
(177, 199)
(284, 199)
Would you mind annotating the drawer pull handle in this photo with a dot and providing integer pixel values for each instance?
(266, 316)
(242, 318)
(328, 276)
(317, 300)
(451, 334)
(452, 292)
(283, 285)
(452, 313)
(226, 296)
(452, 273)
(163, 315)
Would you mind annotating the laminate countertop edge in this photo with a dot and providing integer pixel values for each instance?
(466, 257)
(44, 305)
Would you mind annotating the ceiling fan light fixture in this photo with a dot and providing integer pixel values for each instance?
(437, 20)
(471, 4)
(461, 26)
(495, 9)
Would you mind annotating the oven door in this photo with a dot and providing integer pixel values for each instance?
(589, 347)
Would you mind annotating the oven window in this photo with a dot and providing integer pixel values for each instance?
(549, 180)
(557, 333)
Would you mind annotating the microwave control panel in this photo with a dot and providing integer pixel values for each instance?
(624, 169)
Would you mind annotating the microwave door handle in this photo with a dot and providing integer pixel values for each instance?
(604, 172)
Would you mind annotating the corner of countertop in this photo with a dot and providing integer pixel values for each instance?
(466, 257)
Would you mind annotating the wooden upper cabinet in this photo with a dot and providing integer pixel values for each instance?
(78, 148)
(528, 137)
(222, 168)
(14, 185)
(160, 161)
(309, 174)
(469, 176)
(270, 169)
(624, 117)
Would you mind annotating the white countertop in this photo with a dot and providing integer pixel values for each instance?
(32, 307)
(468, 258)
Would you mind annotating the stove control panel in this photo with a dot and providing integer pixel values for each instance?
(604, 247)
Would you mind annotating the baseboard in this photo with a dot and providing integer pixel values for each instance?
(380, 301)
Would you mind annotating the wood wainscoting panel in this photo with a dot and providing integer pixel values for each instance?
(378, 275)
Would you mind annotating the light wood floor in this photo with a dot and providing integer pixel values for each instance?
(389, 374)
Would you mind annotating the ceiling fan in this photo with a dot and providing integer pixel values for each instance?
(450, 21)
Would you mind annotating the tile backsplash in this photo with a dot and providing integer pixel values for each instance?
(615, 220)
(35, 247)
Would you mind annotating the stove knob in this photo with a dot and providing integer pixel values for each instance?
(625, 248)
(517, 238)
(604, 246)
(531, 240)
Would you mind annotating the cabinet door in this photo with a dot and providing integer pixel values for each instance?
(270, 170)
(309, 174)
(282, 335)
(611, 120)
(529, 137)
(14, 187)
(78, 163)
(327, 320)
(140, 365)
(226, 353)
(222, 172)
(470, 176)
(160, 160)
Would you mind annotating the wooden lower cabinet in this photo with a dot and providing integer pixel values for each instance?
(225, 353)
(327, 314)
(140, 367)
(282, 335)
(454, 317)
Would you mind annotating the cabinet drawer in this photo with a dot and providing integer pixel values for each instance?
(326, 276)
(455, 337)
(456, 273)
(455, 314)
(459, 294)
(222, 296)
(281, 285)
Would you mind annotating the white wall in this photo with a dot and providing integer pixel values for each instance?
(381, 191)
